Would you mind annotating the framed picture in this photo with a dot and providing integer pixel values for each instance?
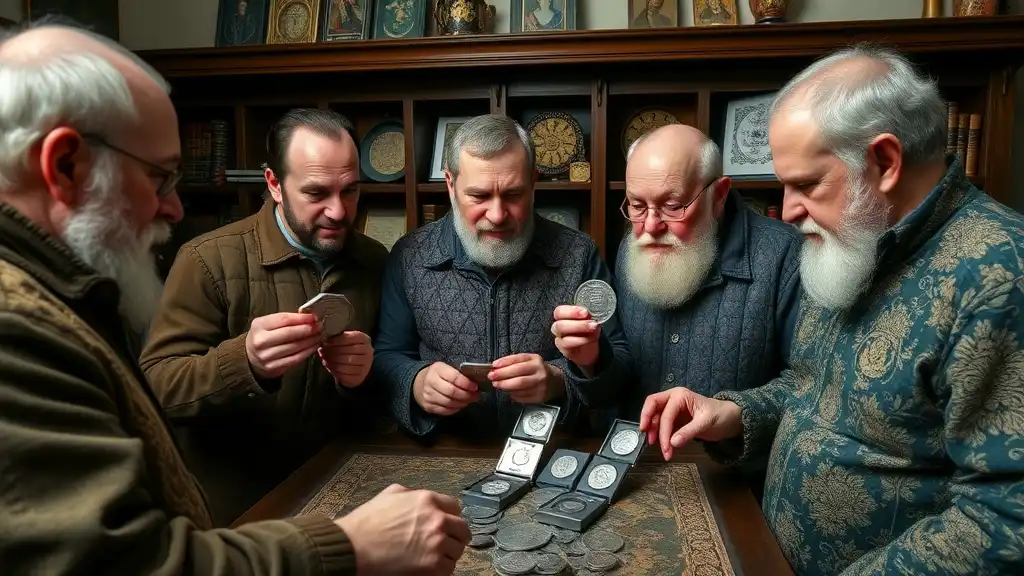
(714, 12)
(292, 21)
(346, 20)
(653, 13)
(446, 128)
(399, 18)
(543, 15)
(100, 16)
(745, 151)
(241, 22)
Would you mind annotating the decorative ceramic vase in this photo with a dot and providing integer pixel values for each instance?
(769, 11)
(931, 8)
(459, 17)
(975, 7)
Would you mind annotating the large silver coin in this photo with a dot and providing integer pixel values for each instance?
(564, 536)
(487, 519)
(495, 487)
(625, 441)
(602, 541)
(481, 541)
(528, 536)
(564, 466)
(545, 495)
(571, 505)
(516, 562)
(597, 297)
(602, 476)
(475, 512)
(549, 564)
(536, 423)
(576, 548)
(600, 561)
(476, 529)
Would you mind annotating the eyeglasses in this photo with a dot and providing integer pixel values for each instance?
(669, 212)
(171, 178)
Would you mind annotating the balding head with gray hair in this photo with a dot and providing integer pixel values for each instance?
(484, 137)
(710, 157)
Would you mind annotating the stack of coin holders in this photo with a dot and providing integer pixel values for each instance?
(594, 480)
(518, 463)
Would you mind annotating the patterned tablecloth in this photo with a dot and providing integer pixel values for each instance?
(662, 511)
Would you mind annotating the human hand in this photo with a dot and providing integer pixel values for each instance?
(403, 531)
(526, 378)
(442, 390)
(277, 342)
(348, 357)
(577, 336)
(695, 416)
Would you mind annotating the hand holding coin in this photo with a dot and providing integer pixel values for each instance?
(442, 390)
(348, 357)
(526, 378)
(577, 335)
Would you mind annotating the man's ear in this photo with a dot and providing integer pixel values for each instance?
(273, 184)
(720, 191)
(64, 164)
(449, 181)
(885, 161)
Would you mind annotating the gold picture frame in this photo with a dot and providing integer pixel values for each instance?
(293, 21)
(715, 13)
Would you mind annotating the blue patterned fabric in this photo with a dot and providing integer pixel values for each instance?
(438, 306)
(897, 437)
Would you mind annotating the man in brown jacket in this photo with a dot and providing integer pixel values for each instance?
(91, 481)
(245, 378)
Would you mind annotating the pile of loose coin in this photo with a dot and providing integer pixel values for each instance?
(519, 545)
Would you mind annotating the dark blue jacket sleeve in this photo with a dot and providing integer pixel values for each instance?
(788, 301)
(396, 359)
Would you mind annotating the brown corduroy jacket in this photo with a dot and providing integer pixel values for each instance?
(242, 436)
(91, 481)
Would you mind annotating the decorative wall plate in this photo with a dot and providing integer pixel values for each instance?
(557, 141)
(643, 122)
(382, 152)
(292, 21)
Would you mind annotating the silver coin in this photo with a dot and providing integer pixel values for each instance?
(475, 512)
(486, 520)
(625, 441)
(546, 563)
(545, 495)
(564, 536)
(602, 476)
(571, 505)
(526, 536)
(495, 487)
(476, 529)
(600, 561)
(521, 457)
(602, 541)
(597, 297)
(576, 548)
(517, 562)
(536, 423)
(481, 541)
(564, 466)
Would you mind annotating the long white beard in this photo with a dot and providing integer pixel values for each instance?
(835, 271)
(101, 235)
(492, 252)
(667, 279)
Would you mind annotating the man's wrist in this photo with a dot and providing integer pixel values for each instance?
(732, 421)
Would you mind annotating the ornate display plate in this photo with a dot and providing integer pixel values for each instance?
(643, 122)
(557, 141)
(292, 21)
(382, 152)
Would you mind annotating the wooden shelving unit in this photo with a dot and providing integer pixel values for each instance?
(601, 77)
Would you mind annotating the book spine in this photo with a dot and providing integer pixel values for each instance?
(961, 137)
(973, 136)
(951, 124)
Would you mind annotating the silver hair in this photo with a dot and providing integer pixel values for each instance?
(710, 157)
(484, 137)
(78, 89)
(851, 109)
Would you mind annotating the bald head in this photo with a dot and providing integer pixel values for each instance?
(683, 153)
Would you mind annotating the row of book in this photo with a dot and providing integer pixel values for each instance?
(963, 137)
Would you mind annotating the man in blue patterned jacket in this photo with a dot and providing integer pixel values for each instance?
(897, 435)
(491, 283)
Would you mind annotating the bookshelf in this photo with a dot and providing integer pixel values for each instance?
(601, 78)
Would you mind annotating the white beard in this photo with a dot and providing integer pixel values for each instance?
(835, 271)
(102, 236)
(667, 279)
(492, 252)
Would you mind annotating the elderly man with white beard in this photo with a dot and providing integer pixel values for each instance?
(897, 435)
(492, 283)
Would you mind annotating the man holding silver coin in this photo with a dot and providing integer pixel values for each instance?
(525, 302)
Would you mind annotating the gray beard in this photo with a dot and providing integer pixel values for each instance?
(669, 280)
(490, 252)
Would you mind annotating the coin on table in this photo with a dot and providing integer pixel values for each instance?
(487, 519)
(565, 536)
(625, 441)
(564, 466)
(475, 512)
(516, 562)
(481, 541)
(603, 541)
(571, 505)
(536, 423)
(597, 297)
(495, 487)
(602, 476)
(546, 563)
(545, 495)
(476, 529)
(576, 548)
(600, 561)
(526, 536)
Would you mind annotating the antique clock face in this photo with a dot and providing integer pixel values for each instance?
(643, 122)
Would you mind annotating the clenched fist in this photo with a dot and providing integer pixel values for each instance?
(442, 390)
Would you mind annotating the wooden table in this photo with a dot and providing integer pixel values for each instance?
(752, 548)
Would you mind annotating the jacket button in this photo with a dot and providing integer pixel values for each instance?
(670, 378)
(674, 339)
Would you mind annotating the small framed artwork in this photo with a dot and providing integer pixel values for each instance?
(292, 21)
(745, 151)
(241, 22)
(346, 20)
(543, 15)
(100, 16)
(653, 13)
(399, 18)
(446, 128)
(714, 12)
